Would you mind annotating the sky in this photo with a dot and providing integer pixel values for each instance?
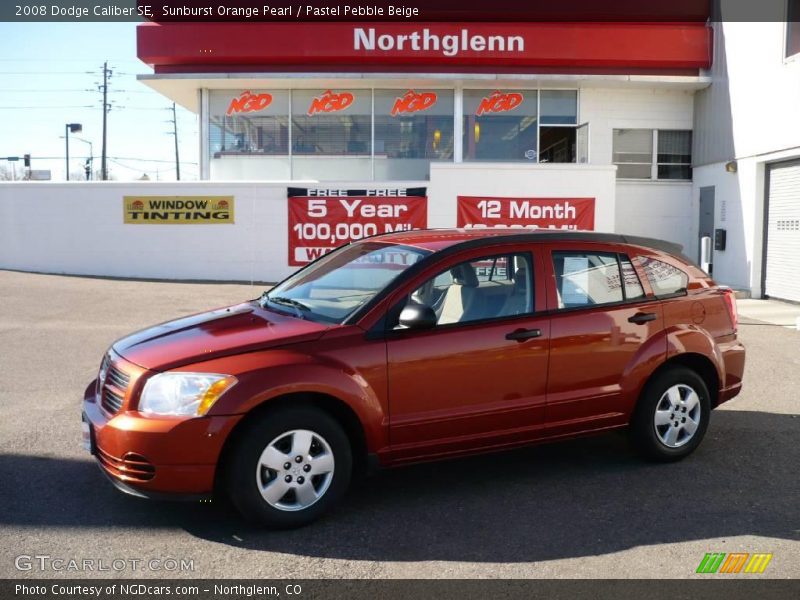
(49, 76)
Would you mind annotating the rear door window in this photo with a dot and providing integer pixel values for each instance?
(587, 278)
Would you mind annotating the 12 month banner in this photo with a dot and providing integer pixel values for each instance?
(322, 219)
(542, 213)
(178, 210)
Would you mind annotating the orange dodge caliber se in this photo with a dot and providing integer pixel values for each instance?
(416, 346)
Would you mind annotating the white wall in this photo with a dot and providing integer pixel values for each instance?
(764, 94)
(742, 215)
(77, 228)
(448, 181)
(736, 214)
(606, 109)
(662, 209)
(764, 88)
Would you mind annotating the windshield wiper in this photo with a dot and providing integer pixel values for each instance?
(298, 306)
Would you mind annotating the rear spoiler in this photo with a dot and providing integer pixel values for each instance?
(663, 245)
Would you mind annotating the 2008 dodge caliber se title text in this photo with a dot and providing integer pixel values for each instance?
(415, 346)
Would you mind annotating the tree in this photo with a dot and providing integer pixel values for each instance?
(6, 173)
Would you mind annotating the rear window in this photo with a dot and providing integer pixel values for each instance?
(665, 279)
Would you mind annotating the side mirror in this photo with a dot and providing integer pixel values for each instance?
(418, 316)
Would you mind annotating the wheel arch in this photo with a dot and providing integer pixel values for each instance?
(339, 410)
(698, 363)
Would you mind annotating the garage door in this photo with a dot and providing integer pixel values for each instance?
(783, 232)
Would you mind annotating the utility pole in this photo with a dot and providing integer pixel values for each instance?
(175, 133)
(106, 76)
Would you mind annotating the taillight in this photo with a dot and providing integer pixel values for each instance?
(730, 302)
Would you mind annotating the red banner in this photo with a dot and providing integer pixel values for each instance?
(326, 219)
(542, 213)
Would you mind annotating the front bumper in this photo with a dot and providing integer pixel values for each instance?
(155, 457)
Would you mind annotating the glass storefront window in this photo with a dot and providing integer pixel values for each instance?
(521, 125)
(386, 134)
(500, 125)
(559, 107)
(253, 123)
(331, 134)
(412, 128)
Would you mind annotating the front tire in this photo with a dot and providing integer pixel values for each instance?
(289, 467)
(672, 415)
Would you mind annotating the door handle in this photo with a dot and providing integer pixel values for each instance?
(524, 334)
(641, 318)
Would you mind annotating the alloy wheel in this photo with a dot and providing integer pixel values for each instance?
(677, 415)
(295, 470)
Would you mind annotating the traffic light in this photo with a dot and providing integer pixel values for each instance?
(87, 167)
(27, 159)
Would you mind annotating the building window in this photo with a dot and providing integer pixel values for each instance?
(505, 125)
(674, 154)
(501, 125)
(652, 154)
(337, 125)
(251, 122)
(385, 134)
(412, 128)
(558, 126)
(793, 28)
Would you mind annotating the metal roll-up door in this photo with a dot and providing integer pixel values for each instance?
(782, 277)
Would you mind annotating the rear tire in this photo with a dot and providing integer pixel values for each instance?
(289, 467)
(672, 415)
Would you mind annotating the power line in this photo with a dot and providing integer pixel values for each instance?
(158, 160)
(46, 73)
(43, 107)
(63, 91)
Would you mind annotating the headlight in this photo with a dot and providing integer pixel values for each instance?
(190, 394)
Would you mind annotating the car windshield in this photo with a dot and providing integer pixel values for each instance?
(337, 285)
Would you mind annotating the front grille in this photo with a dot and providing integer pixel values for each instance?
(112, 401)
(131, 466)
(115, 386)
(117, 378)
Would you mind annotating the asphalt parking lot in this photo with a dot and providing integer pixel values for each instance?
(586, 508)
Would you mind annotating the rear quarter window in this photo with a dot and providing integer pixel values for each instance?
(665, 279)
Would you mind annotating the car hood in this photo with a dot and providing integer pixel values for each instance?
(222, 332)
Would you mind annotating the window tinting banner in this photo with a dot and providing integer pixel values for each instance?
(540, 213)
(323, 219)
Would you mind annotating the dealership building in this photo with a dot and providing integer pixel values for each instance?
(314, 133)
(675, 130)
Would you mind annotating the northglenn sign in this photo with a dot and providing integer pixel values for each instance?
(425, 41)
